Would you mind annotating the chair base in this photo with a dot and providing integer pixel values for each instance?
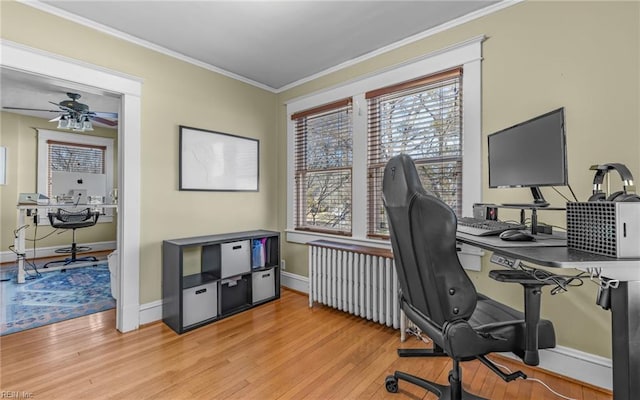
(68, 261)
(70, 250)
(444, 392)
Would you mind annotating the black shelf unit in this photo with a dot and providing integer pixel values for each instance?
(232, 277)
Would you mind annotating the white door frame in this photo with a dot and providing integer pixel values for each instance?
(22, 58)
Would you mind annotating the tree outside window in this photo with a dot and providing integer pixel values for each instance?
(323, 168)
(423, 119)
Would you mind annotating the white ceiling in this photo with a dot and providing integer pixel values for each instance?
(35, 93)
(270, 44)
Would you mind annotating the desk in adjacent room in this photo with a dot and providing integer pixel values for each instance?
(24, 209)
(625, 298)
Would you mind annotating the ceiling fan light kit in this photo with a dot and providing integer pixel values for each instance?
(80, 123)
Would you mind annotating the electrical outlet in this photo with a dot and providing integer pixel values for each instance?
(283, 264)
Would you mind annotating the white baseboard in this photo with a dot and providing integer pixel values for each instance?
(293, 281)
(575, 364)
(40, 252)
(579, 365)
(150, 312)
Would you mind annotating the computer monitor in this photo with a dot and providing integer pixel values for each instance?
(530, 154)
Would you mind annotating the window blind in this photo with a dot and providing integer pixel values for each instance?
(74, 157)
(423, 119)
(323, 168)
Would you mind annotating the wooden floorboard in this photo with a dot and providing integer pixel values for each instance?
(279, 350)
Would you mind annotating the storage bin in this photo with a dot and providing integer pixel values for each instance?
(234, 293)
(263, 285)
(235, 258)
(199, 303)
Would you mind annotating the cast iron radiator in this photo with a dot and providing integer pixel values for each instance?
(359, 280)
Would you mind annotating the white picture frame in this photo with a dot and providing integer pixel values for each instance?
(216, 161)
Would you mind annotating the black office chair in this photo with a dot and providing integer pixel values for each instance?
(63, 219)
(436, 293)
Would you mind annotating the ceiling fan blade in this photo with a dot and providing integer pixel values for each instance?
(56, 119)
(104, 121)
(64, 108)
(104, 114)
(29, 109)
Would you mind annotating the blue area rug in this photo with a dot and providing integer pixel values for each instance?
(53, 297)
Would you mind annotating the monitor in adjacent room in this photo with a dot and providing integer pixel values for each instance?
(530, 154)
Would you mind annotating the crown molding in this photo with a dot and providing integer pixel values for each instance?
(411, 39)
(138, 41)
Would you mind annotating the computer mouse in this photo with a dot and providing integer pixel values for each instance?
(517, 235)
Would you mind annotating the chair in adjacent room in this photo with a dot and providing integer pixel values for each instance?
(64, 219)
(438, 296)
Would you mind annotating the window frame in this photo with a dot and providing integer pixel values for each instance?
(468, 55)
(44, 136)
(302, 170)
(377, 119)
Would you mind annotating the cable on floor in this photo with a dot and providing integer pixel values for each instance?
(535, 380)
(417, 332)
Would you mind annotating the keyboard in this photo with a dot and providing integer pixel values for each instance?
(485, 227)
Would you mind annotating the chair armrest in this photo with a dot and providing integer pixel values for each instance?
(532, 299)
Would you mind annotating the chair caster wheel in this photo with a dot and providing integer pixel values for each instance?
(391, 383)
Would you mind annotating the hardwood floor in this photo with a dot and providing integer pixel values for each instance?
(280, 350)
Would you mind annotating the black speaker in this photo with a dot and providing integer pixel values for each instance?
(627, 194)
(485, 211)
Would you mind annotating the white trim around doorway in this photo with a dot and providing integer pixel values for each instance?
(78, 73)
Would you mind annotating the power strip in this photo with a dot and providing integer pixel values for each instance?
(503, 261)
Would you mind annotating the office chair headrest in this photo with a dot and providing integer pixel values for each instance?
(400, 172)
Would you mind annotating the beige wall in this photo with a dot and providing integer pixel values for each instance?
(19, 134)
(173, 93)
(538, 56)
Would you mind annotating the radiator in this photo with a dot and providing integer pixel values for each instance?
(361, 284)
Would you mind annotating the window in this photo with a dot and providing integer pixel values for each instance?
(323, 160)
(428, 107)
(421, 118)
(69, 162)
(74, 167)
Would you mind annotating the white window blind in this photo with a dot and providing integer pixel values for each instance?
(421, 118)
(323, 168)
(74, 157)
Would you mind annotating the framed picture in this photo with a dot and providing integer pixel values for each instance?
(216, 161)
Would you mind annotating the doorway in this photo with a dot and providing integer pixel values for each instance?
(73, 72)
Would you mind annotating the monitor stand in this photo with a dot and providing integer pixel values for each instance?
(538, 200)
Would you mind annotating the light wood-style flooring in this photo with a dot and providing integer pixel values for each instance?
(279, 350)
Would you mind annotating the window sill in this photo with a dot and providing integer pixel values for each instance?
(301, 237)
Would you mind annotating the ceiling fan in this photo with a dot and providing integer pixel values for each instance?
(75, 115)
